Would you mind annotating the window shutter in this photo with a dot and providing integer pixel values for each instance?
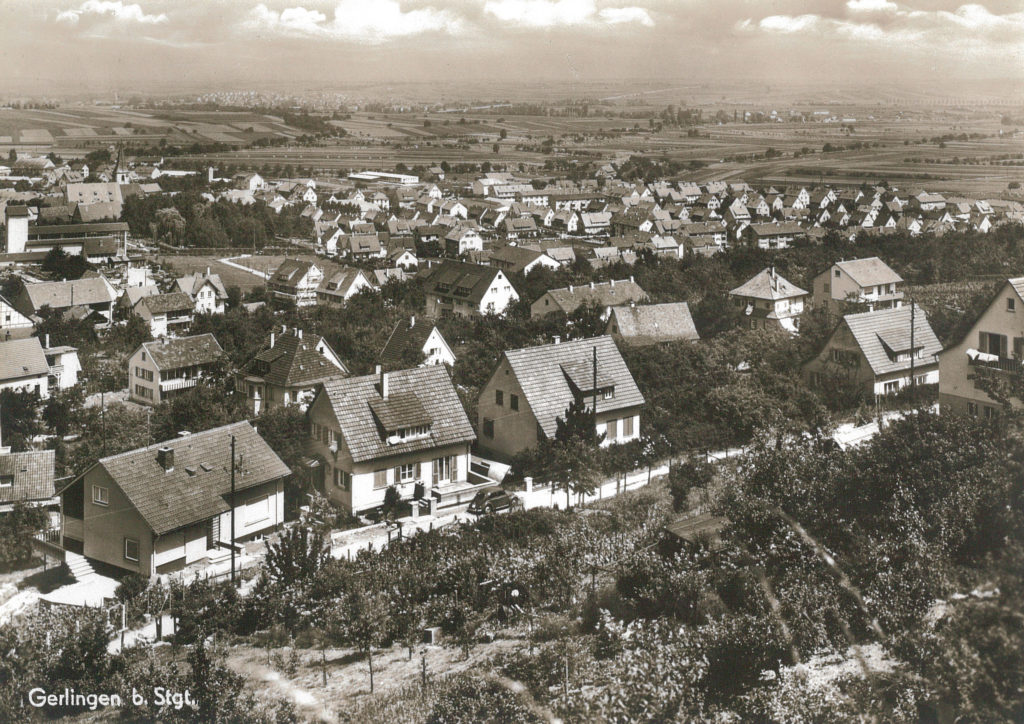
(1003, 343)
(380, 478)
(1018, 347)
(398, 473)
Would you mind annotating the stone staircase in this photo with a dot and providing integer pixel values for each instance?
(79, 566)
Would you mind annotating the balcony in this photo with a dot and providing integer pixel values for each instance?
(178, 383)
(995, 362)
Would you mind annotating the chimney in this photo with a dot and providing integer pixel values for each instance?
(383, 382)
(631, 280)
(591, 285)
(47, 345)
(165, 458)
(271, 340)
(613, 283)
(558, 339)
(207, 271)
(183, 433)
(412, 321)
(298, 333)
(570, 289)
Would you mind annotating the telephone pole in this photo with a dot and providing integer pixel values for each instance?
(913, 352)
(232, 510)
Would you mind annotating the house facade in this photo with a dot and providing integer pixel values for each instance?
(869, 284)
(416, 338)
(206, 290)
(405, 429)
(466, 290)
(531, 388)
(166, 314)
(158, 509)
(161, 369)
(296, 282)
(881, 352)
(23, 367)
(768, 300)
(994, 345)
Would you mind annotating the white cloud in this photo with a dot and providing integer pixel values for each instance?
(871, 6)
(614, 16)
(788, 23)
(554, 13)
(369, 21)
(112, 8)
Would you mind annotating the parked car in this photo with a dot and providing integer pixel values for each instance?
(493, 499)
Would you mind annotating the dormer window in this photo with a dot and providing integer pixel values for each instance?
(608, 393)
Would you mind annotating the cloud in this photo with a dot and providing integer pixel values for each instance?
(970, 31)
(112, 8)
(871, 6)
(555, 13)
(368, 21)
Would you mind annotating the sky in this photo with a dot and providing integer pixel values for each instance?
(61, 45)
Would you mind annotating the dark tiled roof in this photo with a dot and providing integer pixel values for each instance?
(193, 283)
(351, 400)
(407, 334)
(291, 272)
(22, 358)
(171, 500)
(400, 410)
(293, 361)
(541, 375)
(653, 323)
(169, 354)
(32, 474)
(454, 275)
(886, 332)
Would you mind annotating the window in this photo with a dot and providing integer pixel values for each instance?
(131, 549)
(380, 479)
(836, 273)
(1011, 304)
(443, 469)
(990, 412)
(972, 409)
(892, 387)
(513, 401)
(992, 343)
(627, 427)
(100, 495)
(608, 393)
(406, 473)
(499, 398)
(343, 479)
(6, 481)
(611, 430)
(488, 428)
(257, 509)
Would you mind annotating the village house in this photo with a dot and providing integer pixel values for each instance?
(773, 235)
(166, 314)
(465, 289)
(416, 340)
(404, 429)
(340, 285)
(63, 363)
(161, 369)
(90, 297)
(880, 352)
(994, 346)
(287, 370)
(207, 291)
(515, 259)
(769, 300)
(605, 295)
(161, 508)
(296, 282)
(531, 388)
(26, 478)
(23, 367)
(866, 283)
(462, 239)
(644, 324)
(12, 322)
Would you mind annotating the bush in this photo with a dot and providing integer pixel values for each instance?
(468, 700)
(130, 587)
(685, 477)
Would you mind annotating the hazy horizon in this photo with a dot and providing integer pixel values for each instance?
(159, 46)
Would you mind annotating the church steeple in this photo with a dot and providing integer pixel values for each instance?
(121, 175)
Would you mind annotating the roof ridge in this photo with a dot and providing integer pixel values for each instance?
(162, 443)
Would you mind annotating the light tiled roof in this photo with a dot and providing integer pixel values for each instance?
(351, 400)
(31, 473)
(604, 294)
(768, 284)
(59, 295)
(885, 333)
(541, 373)
(199, 485)
(653, 323)
(22, 358)
(291, 272)
(193, 283)
(169, 354)
(869, 272)
(171, 302)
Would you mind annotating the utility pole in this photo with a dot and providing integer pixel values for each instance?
(913, 380)
(232, 510)
(595, 390)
